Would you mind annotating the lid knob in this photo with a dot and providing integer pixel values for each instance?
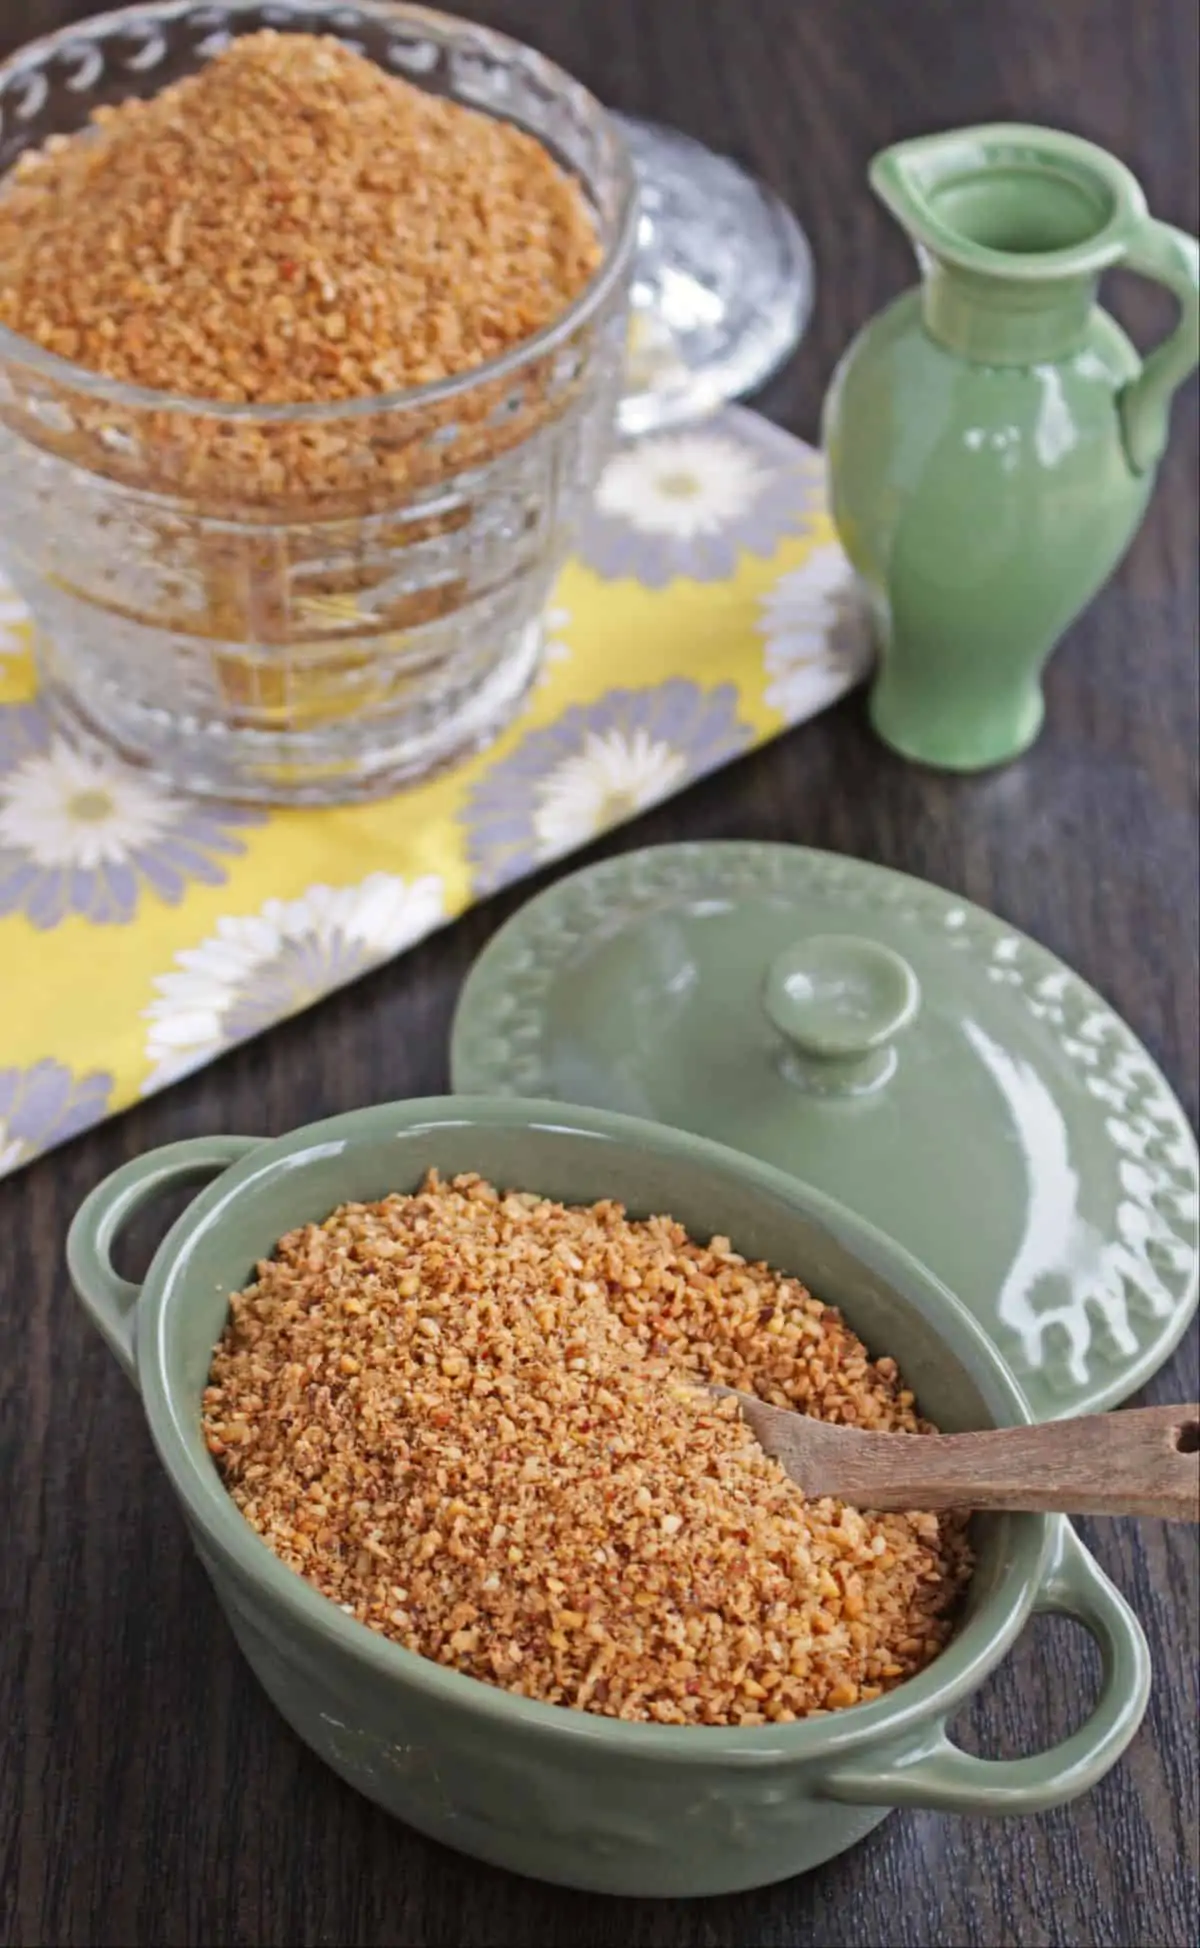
(839, 1002)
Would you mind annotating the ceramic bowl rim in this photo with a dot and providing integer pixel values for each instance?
(237, 1550)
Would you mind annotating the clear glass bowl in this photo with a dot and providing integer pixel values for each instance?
(305, 605)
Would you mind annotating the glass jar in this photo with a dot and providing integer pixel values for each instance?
(308, 604)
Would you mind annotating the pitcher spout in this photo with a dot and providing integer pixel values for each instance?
(1010, 201)
(1013, 226)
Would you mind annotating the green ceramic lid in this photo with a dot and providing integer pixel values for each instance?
(900, 1049)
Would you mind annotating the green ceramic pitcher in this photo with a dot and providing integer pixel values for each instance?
(992, 436)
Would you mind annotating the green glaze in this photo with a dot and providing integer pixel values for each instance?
(839, 1002)
(1011, 1132)
(559, 1794)
(992, 436)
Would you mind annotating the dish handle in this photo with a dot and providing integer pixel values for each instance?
(110, 1300)
(927, 1769)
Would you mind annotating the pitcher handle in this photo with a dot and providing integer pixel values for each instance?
(927, 1769)
(110, 1300)
(1167, 256)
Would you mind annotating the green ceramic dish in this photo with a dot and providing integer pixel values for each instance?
(558, 1794)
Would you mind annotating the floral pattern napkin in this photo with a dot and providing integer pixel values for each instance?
(143, 933)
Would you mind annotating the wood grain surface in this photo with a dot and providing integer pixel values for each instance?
(1136, 1461)
(148, 1792)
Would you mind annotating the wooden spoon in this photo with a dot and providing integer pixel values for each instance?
(1144, 1461)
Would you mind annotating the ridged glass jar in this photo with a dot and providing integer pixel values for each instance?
(305, 605)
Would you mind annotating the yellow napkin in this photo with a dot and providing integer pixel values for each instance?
(142, 933)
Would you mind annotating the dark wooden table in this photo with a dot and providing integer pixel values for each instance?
(148, 1793)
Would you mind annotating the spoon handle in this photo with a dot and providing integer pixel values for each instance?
(1144, 1461)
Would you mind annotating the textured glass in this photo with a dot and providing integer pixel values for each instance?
(305, 604)
(723, 284)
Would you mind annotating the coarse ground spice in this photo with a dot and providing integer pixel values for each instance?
(291, 224)
(470, 1419)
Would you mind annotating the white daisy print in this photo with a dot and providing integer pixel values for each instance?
(64, 810)
(816, 634)
(687, 504)
(81, 833)
(13, 618)
(258, 968)
(689, 485)
(613, 776)
(595, 766)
